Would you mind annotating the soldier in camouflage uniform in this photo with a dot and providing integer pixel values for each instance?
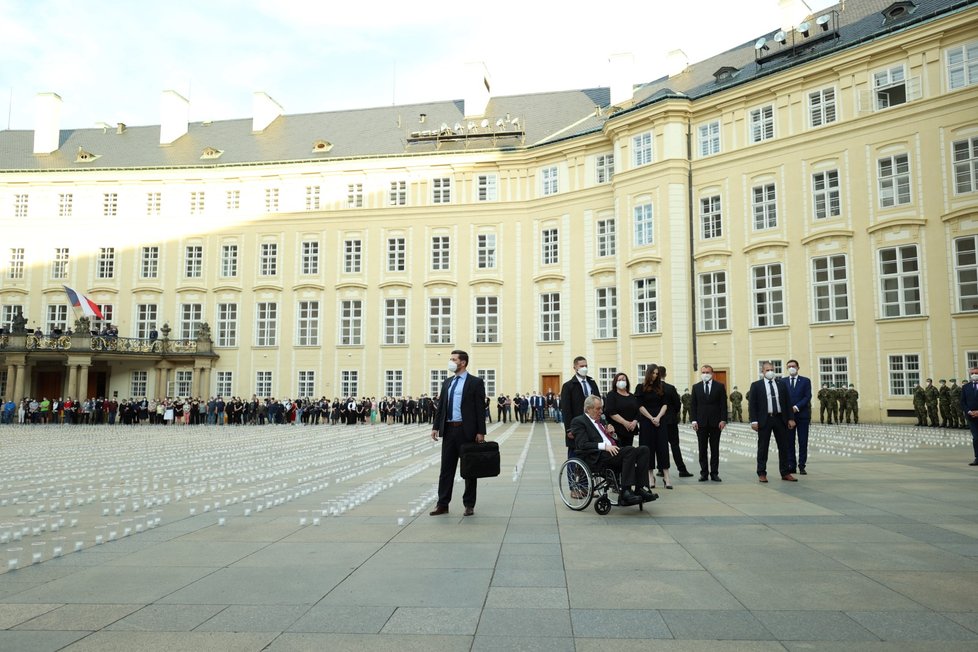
(823, 403)
(944, 404)
(687, 400)
(931, 396)
(954, 393)
(852, 404)
(840, 396)
(833, 397)
(736, 404)
(920, 404)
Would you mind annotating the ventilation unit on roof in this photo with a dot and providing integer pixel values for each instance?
(322, 146)
(84, 156)
(211, 153)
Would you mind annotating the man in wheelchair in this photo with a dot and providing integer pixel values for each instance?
(599, 451)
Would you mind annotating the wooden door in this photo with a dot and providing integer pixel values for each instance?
(721, 376)
(550, 383)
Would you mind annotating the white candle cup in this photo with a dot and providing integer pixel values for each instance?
(13, 558)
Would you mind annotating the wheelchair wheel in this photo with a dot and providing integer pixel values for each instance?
(602, 505)
(574, 479)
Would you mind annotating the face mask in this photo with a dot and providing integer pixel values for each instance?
(582, 372)
(706, 377)
(621, 384)
(769, 374)
(974, 377)
(792, 371)
(452, 367)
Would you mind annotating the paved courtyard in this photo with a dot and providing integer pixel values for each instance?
(286, 538)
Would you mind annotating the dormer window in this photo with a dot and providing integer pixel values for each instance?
(898, 11)
(724, 74)
(211, 153)
(84, 156)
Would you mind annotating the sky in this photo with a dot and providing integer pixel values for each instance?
(110, 60)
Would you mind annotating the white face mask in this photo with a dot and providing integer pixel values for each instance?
(769, 374)
(706, 377)
(582, 372)
(452, 367)
(621, 384)
(974, 377)
(792, 371)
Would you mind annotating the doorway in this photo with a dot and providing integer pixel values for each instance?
(550, 383)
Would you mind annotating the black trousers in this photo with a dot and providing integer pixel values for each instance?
(711, 437)
(451, 442)
(656, 438)
(672, 430)
(631, 461)
(782, 438)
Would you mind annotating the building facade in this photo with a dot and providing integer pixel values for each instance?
(813, 195)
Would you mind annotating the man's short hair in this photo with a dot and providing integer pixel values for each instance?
(706, 366)
(590, 401)
(578, 359)
(462, 355)
(795, 361)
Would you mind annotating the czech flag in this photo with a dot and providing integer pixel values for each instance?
(80, 301)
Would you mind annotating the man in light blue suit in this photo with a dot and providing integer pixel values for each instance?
(800, 398)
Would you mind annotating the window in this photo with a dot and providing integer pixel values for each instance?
(825, 194)
(441, 190)
(550, 317)
(549, 180)
(351, 256)
(966, 165)
(65, 201)
(768, 295)
(233, 201)
(354, 195)
(777, 364)
(271, 199)
(9, 313)
(105, 267)
(833, 370)
(184, 382)
(604, 167)
(821, 107)
(306, 387)
(110, 204)
(312, 198)
(440, 251)
(146, 319)
(900, 281)
(107, 311)
(962, 66)
(351, 322)
(225, 383)
(310, 257)
(642, 149)
(711, 219)
(395, 321)
(713, 301)
(966, 272)
(605, 376)
(644, 234)
(229, 260)
(398, 194)
(486, 244)
(196, 202)
(972, 359)
(149, 265)
(894, 180)
(487, 187)
(765, 207)
(551, 247)
(439, 320)
(607, 245)
(137, 383)
(59, 265)
(350, 382)
(437, 378)
(645, 305)
(487, 320)
(227, 324)
(15, 268)
(904, 374)
(263, 384)
(831, 285)
(762, 124)
(396, 255)
(890, 87)
(266, 323)
(394, 383)
(268, 259)
(191, 314)
(20, 205)
(489, 379)
(193, 261)
(708, 136)
(57, 319)
(606, 312)
(307, 323)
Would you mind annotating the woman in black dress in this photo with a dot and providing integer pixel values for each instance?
(621, 409)
(652, 407)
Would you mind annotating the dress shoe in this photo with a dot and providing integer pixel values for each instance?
(439, 510)
(703, 477)
(762, 478)
(628, 498)
(803, 471)
(715, 478)
(685, 474)
(469, 511)
(789, 478)
(647, 496)
(975, 463)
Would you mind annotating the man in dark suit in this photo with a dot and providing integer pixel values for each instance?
(969, 405)
(708, 414)
(770, 411)
(596, 448)
(671, 422)
(800, 399)
(459, 419)
(572, 396)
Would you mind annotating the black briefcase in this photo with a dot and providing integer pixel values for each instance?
(480, 460)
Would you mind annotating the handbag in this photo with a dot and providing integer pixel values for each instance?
(479, 460)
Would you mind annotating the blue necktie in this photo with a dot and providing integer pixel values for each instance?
(451, 397)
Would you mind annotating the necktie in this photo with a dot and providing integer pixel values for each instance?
(708, 389)
(792, 383)
(451, 399)
(774, 401)
(585, 388)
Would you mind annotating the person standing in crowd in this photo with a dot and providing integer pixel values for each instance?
(687, 402)
(652, 408)
(671, 423)
(459, 419)
(708, 412)
(823, 403)
(931, 397)
(501, 409)
(800, 399)
(944, 403)
(736, 405)
(852, 404)
(957, 417)
(572, 395)
(920, 404)
(621, 409)
(770, 411)
(969, 409)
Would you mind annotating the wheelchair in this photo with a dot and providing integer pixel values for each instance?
(580, 485)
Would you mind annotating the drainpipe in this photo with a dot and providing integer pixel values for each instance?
(692, 234)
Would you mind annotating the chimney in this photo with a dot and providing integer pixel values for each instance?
(264, 110)
(622, 71)
(477, 92)
(676, 62)
(174, 116)
(47, 123)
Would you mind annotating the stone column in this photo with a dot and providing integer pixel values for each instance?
(83, 383)
(19, 382)
(11, 379)
(205, 389)
(72, 381)
(159, 384)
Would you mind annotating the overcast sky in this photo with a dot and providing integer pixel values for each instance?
(110, 60)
